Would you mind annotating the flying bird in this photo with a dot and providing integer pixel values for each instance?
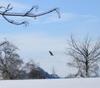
(51, 53)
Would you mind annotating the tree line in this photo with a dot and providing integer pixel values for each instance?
(13, 67)
(84, 55)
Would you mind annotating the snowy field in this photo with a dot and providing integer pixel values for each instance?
(56, 83)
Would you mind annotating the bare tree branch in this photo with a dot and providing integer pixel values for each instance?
(6, 12)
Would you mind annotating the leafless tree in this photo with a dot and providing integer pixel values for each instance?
(33, 70)
(30, 65)
(86, 56)
(10, 62)
(7, 12)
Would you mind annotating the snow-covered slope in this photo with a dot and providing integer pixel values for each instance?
(52, 83)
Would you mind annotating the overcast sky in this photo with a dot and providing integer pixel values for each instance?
(78, 17)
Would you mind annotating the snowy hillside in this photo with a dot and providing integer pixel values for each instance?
(53, 83)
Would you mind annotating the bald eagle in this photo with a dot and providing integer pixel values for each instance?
(51, 53)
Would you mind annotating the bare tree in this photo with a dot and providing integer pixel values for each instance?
(33, 70)
(86, 56)
(10, 62)
(6, 12)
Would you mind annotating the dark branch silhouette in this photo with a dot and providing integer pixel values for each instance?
(6, 12)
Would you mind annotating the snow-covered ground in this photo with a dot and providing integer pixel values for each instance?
(55, 83)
